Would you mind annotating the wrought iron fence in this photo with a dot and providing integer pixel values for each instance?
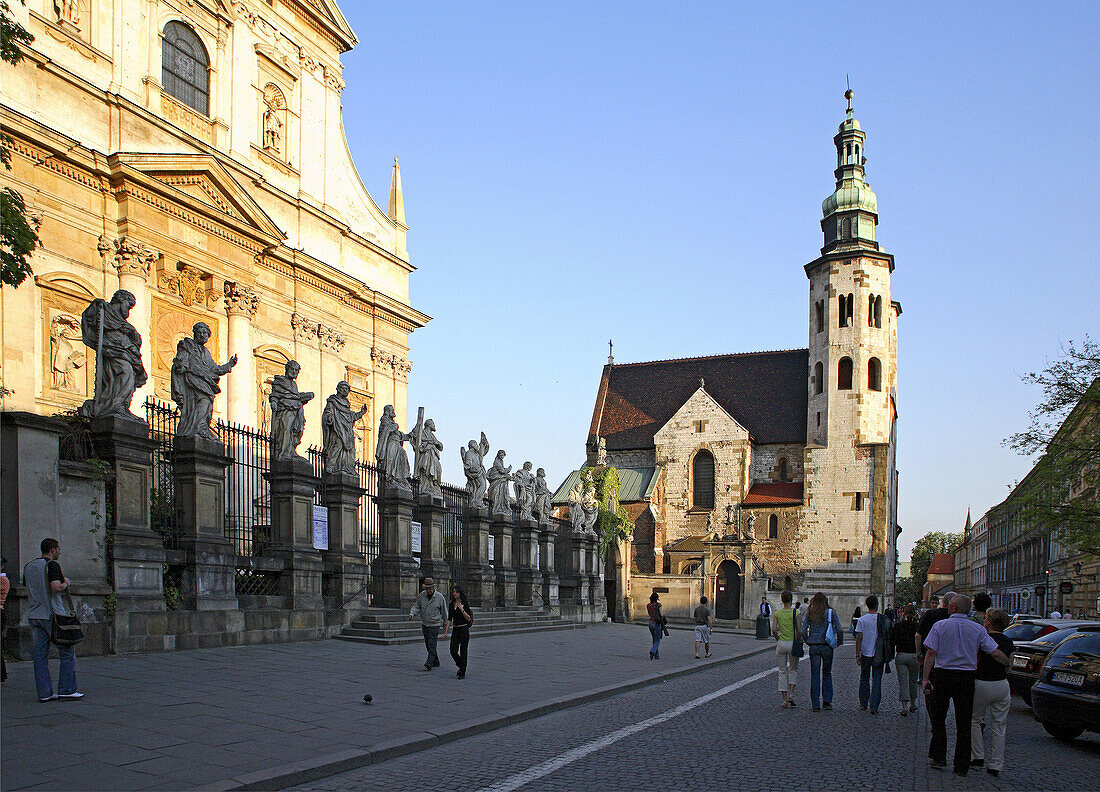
(369, 517)
(248, 507)
(317, 461)
(164, 516)
(454, 547)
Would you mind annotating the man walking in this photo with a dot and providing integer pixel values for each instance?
(872, 635)
(951, 658)
(704, 623)
(431, 608)
(45, 581)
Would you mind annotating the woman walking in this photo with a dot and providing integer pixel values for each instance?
(784, 624)
(459, 616)
(856, 615)
(822, 632)
(991, 693)
(656, 624)
(904, 636)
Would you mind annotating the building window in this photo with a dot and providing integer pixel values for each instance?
(819, 378)
(846, 303)
(185, 67)
(773, 527)
(859, 501)
(874, 374)
(878, 311)
(691, 568)
(784, 473)
(847, 232)
(820, 309)
(702, 480)
(844, 374)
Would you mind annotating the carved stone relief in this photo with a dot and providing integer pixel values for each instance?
(66, 352)
(312, 332)
(131, 257)
(189, 284)
(240, 299)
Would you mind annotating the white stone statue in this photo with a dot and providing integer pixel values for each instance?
(591, 508)
(473, 465)
(427, 448)
(524, 485)
(288, 415)
(273, 129)
(338, 431)
(393, 462)
(499, 476)
(119, 370)
(576, 508)
(66, 354)
(542, 496)
(195, 378)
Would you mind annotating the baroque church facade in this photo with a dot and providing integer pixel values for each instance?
(745, 474)
(193, 152)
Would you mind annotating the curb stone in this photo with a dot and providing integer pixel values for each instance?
(314, 769)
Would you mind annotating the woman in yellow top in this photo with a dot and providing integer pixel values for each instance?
(783, 629)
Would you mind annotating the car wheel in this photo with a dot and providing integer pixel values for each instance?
(1061, 732)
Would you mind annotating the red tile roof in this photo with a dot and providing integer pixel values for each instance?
(942, 564)
(765, 392)
(774, 493)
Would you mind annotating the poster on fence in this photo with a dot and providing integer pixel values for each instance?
(417, 531)
(320, 528)
(492, 548)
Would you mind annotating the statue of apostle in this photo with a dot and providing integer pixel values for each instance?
(119, 370)
(393, 462)
(591, 508)
(499, 476)
(195, 383)
(542, 495)
(473, 465)
(338, 431)
(576, 508)
(288, 415)
(429, 470)
(524, 485)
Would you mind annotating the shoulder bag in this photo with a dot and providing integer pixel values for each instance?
(797, 648)
(65, 629)
(830, 633)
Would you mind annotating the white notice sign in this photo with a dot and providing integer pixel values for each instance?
(492, 547)
(416, 537)
(320, 528)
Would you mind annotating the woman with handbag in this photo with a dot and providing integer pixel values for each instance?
(51, 620)
(656, 625)
(822, 633)
(788, 648)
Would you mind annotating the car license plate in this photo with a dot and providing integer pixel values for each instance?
(1065, 678)
(1019, 661)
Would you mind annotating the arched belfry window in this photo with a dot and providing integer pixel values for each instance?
(773, 527)
(820, 310)
(844, 374)
(819, 378)
(784, 469)
(702, 480)
(878, 311)
(874, 374)
(185, 67)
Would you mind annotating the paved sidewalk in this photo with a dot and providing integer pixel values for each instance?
(250, 716)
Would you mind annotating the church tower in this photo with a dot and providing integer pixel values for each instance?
(850, 430)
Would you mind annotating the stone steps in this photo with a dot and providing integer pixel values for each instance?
(474, 631)
(387, 626)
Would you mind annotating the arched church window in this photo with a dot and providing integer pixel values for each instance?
(819, 378)
(702, 480)
(773, 527)
(844, 374)
(850, 310)
(691, 568)
(878, 311)
(874, 374)
(784, 472)
(185, 67)
(871, 311)
(820, 310)
(274, 120)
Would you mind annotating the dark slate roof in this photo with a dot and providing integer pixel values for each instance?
(765, 392)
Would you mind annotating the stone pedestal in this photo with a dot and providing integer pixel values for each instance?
(527, 557)
(209, 581)
(595, 579)
(579, 571)
(480, 577)
(432, 562)
(396, 575)
(347, 565)
(547, 537)
(501, 531)
(292, 490)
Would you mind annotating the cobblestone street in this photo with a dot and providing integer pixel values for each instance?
(761, 746)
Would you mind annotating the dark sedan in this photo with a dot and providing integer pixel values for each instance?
(1066, 699)
(1028, 657)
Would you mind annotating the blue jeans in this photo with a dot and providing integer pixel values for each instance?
(431, 637)
(655, 631)
(870, 682)
(821, 674)
(66, 677)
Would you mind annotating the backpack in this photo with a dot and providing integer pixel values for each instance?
(830, 633)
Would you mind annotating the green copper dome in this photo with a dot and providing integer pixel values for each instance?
(852, 194)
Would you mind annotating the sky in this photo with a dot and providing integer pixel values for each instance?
(653, 173)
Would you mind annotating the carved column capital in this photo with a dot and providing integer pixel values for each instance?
(240, 300)
(131, 257)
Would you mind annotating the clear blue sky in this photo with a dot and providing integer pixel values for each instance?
(653, 173)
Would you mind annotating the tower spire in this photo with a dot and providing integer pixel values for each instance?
(396, 210)
(850, 214)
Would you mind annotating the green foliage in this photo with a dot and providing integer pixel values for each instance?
(18, 234)
(926, 547)
(906, 590)
(611, 520)
(110, 605)
(1061, 495)
(170, 585)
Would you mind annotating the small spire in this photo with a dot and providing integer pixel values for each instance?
(610, 353)
(849, 94)
(396, 210)
(702, 383)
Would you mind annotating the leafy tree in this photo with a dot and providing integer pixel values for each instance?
(906, 590)
(926, 547)
(18, 236)
(1061, 494)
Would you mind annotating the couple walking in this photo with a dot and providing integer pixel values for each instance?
(658, 626)
(436, 613)
(820, 631)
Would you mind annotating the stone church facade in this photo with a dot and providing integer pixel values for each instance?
(194, 153)
(767, 470)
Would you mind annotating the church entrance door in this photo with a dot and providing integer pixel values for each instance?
(727, 600)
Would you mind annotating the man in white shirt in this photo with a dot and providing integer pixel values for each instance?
(870, 655)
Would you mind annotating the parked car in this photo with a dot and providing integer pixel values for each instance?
(1066, 699)
(1028, 657)
(1028, 629)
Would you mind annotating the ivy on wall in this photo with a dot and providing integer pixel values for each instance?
(612, 523)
